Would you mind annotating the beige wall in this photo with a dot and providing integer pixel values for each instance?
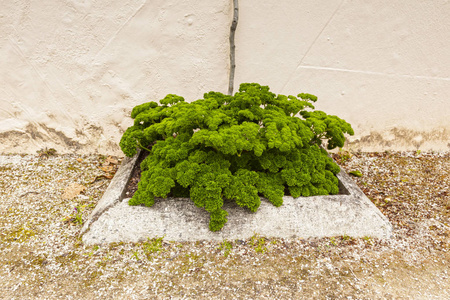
(384, 66)
(70, 71)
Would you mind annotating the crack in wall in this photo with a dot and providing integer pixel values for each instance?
(119, 30)
(374, 73)
(313, 43)
(233, 46)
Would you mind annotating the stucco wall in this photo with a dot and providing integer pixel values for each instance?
(70, 71)
(384, 66)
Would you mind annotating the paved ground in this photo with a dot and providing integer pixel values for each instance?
(45, 199)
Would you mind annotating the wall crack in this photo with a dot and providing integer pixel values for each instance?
(233, 46)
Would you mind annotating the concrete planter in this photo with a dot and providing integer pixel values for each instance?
(178, 219)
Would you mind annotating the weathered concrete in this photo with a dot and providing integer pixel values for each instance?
(115, 191)
(178, 219)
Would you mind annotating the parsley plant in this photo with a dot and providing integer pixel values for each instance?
(234, 148)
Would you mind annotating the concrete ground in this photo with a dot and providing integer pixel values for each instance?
(45, 200)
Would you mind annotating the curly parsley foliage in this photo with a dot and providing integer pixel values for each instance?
(234, 147)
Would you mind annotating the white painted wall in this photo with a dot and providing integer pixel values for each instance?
(384, 66)
(71, 71)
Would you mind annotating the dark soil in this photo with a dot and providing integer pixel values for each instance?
(132, 185)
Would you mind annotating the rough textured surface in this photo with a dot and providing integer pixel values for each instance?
(179, 219)
(115, 191)
(42, 257)
(385, 72)
(72, 70)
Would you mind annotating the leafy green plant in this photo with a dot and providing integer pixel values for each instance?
(258, 243)
(333, 241)
(356, 173)
(343, 155)
(234, 148)
(77, 215)
(94, 248)
(368, 240)
(135, 255)
(226, 247)
(152, 245)
(346, 237)
(46, 152)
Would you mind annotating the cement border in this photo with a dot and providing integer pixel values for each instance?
(178, 219)
(115, 191)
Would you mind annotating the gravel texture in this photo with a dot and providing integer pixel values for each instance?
(45, 198)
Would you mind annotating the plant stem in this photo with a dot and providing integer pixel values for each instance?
(142, 147)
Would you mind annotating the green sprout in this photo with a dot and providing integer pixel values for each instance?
(258, 243)
(226, 247)
(152, 246)
(356, 173)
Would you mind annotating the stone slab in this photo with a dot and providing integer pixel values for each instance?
(115, 191)
(178, 219)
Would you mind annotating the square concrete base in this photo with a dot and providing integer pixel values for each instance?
(178, 219)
